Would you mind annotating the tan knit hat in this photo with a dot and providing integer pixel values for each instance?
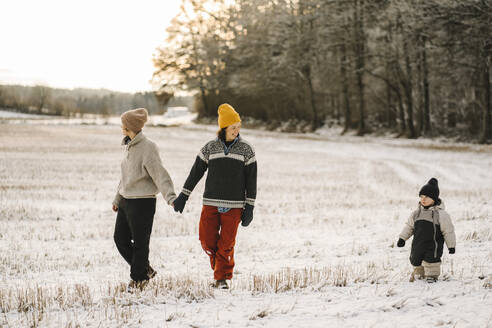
(134, 119)
(227, 116)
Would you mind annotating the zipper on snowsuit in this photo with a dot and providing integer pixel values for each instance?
(435, 242)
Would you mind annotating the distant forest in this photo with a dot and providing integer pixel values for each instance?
(67, 102)
(414, 67)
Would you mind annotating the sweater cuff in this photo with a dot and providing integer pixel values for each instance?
(170, 200)
(117, 199)
(451, 245)
(250, 201)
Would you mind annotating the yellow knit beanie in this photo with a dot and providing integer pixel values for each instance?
(227, 116)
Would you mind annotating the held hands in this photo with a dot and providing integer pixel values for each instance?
(180, 202)
(247, 215)
(400, 243)
(452, 250)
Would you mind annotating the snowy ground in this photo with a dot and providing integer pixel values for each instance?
(320, 251)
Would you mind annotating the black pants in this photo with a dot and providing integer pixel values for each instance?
(132, 234)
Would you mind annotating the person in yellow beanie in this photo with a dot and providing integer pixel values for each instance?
(230, 192)
(227, 116)
(142, 177)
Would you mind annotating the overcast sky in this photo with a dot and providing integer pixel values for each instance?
(90, 43)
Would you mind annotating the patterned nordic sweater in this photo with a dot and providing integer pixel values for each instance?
(231, 178)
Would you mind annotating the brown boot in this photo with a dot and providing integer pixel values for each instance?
(418, 273)
(220, 284)
(151, 272)
(134, 285)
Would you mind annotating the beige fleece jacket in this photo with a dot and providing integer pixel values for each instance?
(443, 220)
(142, 173)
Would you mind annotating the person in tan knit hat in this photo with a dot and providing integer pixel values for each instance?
(142, 177)
(134, 119)
(230, 192)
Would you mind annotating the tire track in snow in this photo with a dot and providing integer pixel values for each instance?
(366, 177)
(461, 174)
(378, 178)
(403, 173)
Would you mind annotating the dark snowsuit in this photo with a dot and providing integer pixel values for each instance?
(430, 228)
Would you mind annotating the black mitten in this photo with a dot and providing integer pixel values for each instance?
(180, 202)
(400, 243)
(452, 250)
(247, 215)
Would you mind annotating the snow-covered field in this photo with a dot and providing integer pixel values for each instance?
(320, 251)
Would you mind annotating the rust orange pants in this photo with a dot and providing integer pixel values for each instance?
(217, 233)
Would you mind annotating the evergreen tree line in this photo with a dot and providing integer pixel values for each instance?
(416, 67)
(45, 100)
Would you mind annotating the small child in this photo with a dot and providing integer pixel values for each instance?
(430, 226)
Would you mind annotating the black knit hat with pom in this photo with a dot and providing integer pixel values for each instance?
(431, 189)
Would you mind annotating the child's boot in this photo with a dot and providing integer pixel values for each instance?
(430, 279)
(431, 271)
(418, 272)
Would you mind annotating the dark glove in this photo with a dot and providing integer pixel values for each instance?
(400, 243)
(247, 215)
(452, 250)
(180, 202)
